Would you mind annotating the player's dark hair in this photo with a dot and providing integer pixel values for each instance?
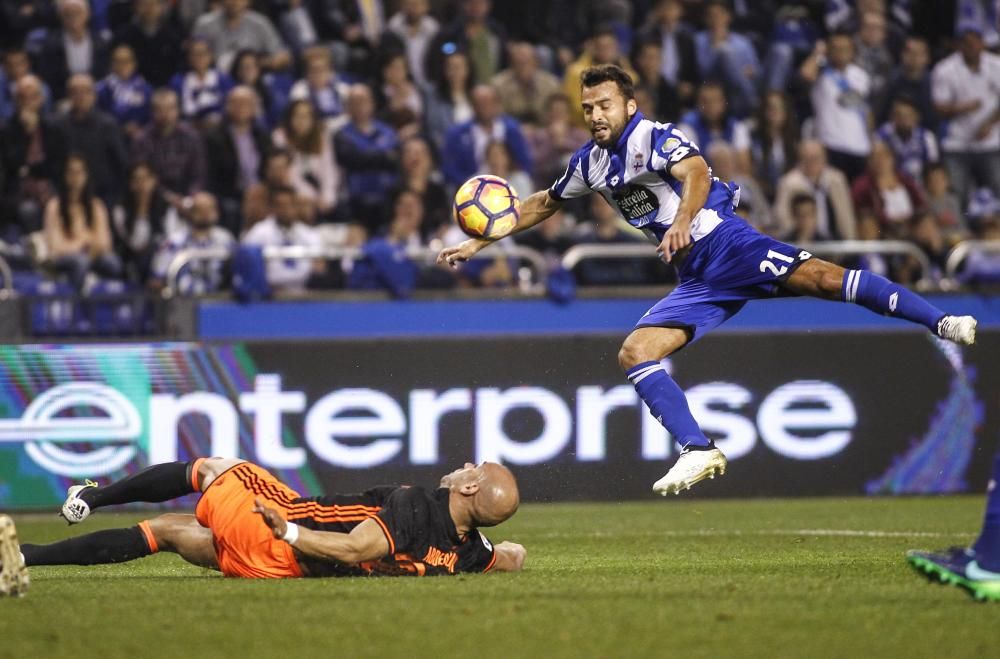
(906, 99)
(596, 75)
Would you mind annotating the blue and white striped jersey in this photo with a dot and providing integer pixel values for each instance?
(634, 177)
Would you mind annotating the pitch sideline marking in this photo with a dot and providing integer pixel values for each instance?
(837, 533)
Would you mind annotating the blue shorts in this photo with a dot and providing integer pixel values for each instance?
(724, 270)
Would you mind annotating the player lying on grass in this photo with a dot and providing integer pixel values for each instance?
(249, 524)
(975, 568)
(657, 180)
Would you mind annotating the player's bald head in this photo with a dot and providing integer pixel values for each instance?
(488, 491)
(498, 496)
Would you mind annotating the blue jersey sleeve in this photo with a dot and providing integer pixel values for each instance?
(669, 146)
(574, 182)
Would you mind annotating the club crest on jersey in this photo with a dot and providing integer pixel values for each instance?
(670, 144)
(637, 161)
(637, 205)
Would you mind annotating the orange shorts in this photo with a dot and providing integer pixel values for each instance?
(244, 545)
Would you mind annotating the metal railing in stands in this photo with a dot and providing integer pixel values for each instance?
(960, 252)
(424, 255)
(833, 248)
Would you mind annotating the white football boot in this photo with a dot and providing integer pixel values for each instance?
(960, 329)
(693, 466)
(74, 509)
(14, 579)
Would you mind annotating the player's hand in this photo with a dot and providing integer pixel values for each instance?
(461, 252)
(272, 518)
(678, 237)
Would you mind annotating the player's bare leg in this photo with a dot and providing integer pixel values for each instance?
(818, 278)
(640, 358)
(184, 536)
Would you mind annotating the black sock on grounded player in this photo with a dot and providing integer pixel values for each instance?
(111, 546)
(154, 484)
(882, 296)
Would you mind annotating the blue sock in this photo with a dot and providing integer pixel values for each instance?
(988, 545)
(884, 297)
(667, 403)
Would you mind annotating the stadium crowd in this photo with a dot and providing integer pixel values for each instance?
(133, 129)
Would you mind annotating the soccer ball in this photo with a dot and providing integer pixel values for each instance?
(486, 207)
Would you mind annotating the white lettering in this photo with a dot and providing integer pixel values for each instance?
(738, 434)
(166, 411)
(426, 409)
(592, 407)
(324, 426)
(267, 402)
(828, 420)
(493, 444)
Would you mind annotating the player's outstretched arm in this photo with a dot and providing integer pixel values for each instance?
(696, 178)
(536, 208)
(366, 542)
(510, 557)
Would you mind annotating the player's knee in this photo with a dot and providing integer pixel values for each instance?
(632, 354)
(166, 529)
(211, 468)
(831, 280)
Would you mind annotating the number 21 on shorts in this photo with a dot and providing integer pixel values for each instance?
(777, 270)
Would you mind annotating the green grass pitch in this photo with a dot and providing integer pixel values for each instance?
(678, 578)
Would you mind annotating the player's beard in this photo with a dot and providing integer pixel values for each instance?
(612, 135)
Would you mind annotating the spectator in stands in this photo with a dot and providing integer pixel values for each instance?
(725, 166)
(869, 230)
(125, 94)
(805, 219)
(32, 153)
(475, 33)
(234, 152)
(155, 37)
(678, 64)
(712, 121)
(648, 59)
(414, 25)
(201, 276)
(892, 196)
(202, 88)
(524, 86)
(925, 232)
(282, 228)
(77, 233)
(385, 263)
(301, 23)
(234, 27)
(172, 148)
(400, 101)
(466, 143)
(606, 228)
(72, 48)
(276, 174)
(912, 79)
(96, 136)
(601, 48)
(555, 140)
(418, 174)
(839, 97)
(498, 162)
(728, 57)
(943, 203)
(773, 140)
(873, 54)
(141, 222)
(19, 17)
(246, 70)
(914, 146)
(813, 176)
(16, 65)
(982, 266)
(449, 102)
(314, 172)
(552, 238)
(966, 90)
(369, 151)
(322, 87)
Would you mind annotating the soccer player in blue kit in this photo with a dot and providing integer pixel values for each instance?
(659, 182)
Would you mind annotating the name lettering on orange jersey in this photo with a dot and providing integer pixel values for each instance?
(437, 557)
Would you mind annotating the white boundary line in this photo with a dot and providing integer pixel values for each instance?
(834, 533)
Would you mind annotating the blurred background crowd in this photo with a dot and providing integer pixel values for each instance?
(133, 129)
